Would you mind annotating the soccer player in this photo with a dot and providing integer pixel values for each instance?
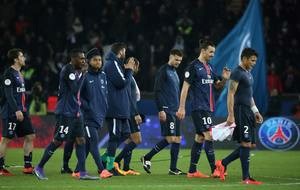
(14, 114)
(135, 121)
(167, 91)
(69, 124)
(198, 83)
(94, 106)
(243, 111)
(118, 114)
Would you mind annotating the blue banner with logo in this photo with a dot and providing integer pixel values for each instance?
(247, 33)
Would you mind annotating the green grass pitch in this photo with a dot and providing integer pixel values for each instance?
(278, 170)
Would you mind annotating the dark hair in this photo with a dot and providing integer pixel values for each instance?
(117, 47)
(248, 52)
(75, 52)
(176, 52)
(204, 43)
(12, 54)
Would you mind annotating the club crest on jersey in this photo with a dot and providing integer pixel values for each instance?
(72, 76)
(187, 74)
(279, 133)
(7, 82)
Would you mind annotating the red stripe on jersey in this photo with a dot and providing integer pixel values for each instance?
(211, 100)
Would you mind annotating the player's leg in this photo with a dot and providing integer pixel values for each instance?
(197, 146)
(8, 132)
(136, 139)
(146, 159)
(26, 130)
(61, 132)
(68, 150)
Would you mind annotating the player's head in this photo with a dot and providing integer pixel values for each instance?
(94, 59)
(16, 56)
(119, 49)
(77, 58)
(249, 57)
(207, 49)
(136, 64)
(175, 58)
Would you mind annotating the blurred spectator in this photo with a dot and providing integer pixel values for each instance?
(38, 101)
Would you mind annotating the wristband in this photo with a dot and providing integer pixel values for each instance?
(254, 109)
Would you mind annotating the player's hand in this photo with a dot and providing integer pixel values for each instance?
(130, 64)
(138, 119)
(258, 118)
(19, 115)
(162, 116)
(180, 113)
(230, 120)
(226, 73)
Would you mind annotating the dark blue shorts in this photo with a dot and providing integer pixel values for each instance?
(202, 120)
(118, 128)
(12, 127)
(68, 128)
(245, 124)
(171, 127)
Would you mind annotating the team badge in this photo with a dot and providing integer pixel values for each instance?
(187, 74)
(7, 82)
(72, 76)
(279, 133)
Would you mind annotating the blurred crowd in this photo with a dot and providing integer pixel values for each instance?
(47, 29)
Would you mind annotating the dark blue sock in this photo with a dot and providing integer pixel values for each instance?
(127, 156)
(157, 148)
(210, 154)
(1, 163)
(195, 155)
(128, 147)
(111, 148)
(48, 153)
(127, 160)
(93, 149)
(81, 156)
(231, 157)
(68, 149)
(28, 160)
(174, 155)
(245, 158)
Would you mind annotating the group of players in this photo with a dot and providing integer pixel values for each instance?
(89, 95)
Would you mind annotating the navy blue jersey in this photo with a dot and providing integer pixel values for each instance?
(70, 82)
(166, 89)
(14, 92)
(244, 92)
(201, 77)
(94, 98)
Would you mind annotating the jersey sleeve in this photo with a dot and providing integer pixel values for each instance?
(190, 74)
(235, 75)
(70, 78)
(9, 91)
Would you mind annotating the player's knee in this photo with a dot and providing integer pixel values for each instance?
(56, 142)
(5, 140)
(246, 144)
(199, 138)
(137, 140)
(29, 138)
(80, 140)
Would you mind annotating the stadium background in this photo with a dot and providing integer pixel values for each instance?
(46, 30)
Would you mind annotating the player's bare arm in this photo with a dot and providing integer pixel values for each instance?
(184, 91)
(233, 85)
(258, 117)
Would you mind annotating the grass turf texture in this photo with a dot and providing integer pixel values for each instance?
(278, 170)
